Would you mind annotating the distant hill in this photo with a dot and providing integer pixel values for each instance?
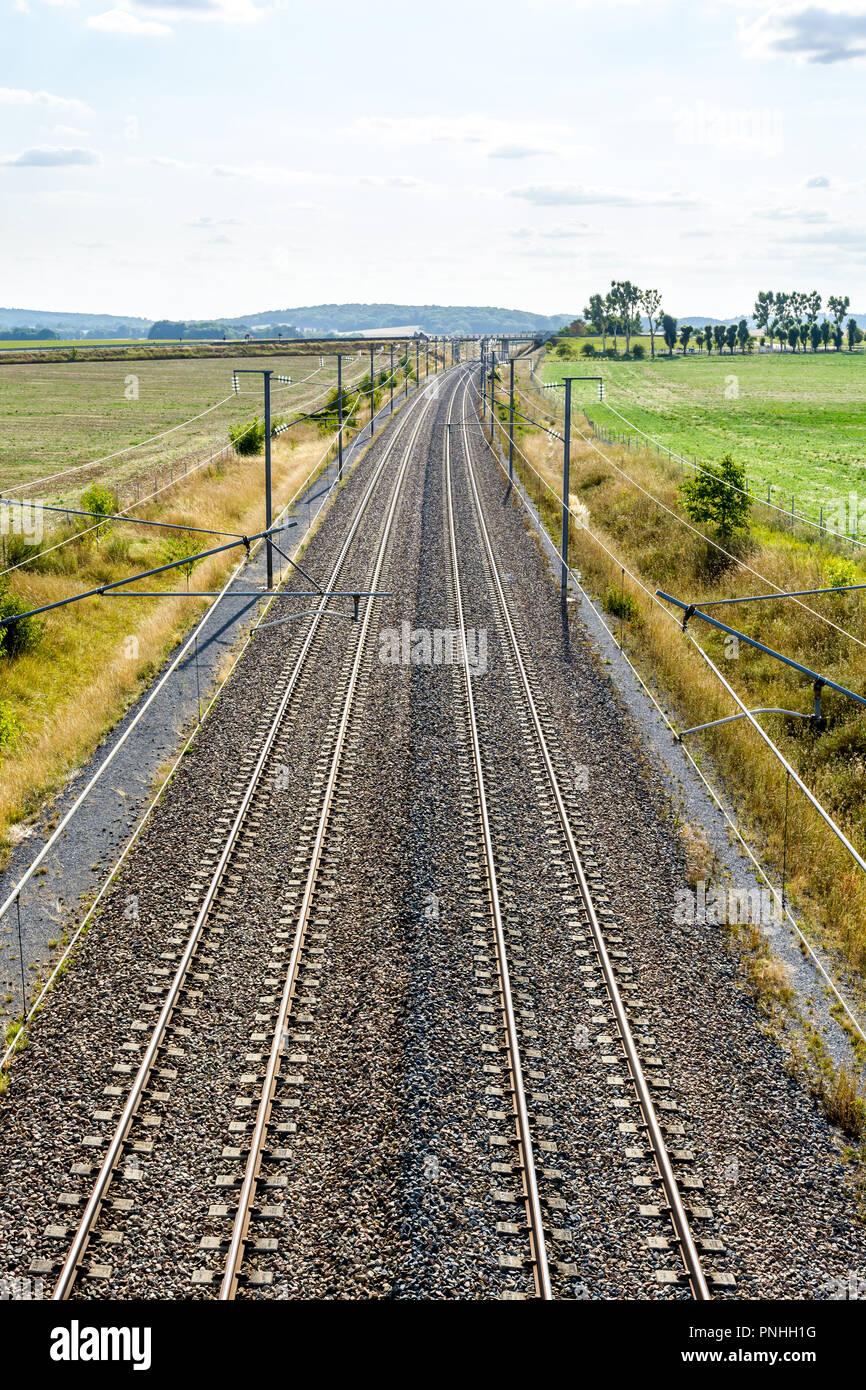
(67, 325)
(432, 318)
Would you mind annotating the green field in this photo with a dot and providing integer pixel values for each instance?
(797, 422)
(57, 416)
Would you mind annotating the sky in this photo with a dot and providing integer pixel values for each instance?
(200, 158)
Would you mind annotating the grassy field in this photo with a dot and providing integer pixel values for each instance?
(59, 698)
(56, 416)
(797, 422)
(634, 508)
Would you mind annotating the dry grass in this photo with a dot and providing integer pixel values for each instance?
(663, 553)
(71, 690)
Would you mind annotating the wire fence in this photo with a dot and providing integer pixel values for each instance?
(545, 504)
(793, 515)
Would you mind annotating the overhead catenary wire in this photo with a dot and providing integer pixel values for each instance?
(587, 439)
(581, 524)
(141, 501)
(717, 799)
(60, 828)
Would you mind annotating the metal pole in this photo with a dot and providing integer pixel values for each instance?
(372, 396)
(268, 510)
(417, 363)
(340, 414)
(426, 358)
(392, 378)
(566, 469)
(511, 419)
(492, 391)
(483, 378)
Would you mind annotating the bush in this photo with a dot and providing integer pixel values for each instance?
(181, 547)
(588, 350)
(100, 500)
(638, 352)
(22, 636)
(717, 495)
(20, 548)
(9, 726)
(839, 572)
(622, 605)
(248, 438)
(610, 353)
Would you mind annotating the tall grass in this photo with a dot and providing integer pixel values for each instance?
(821, 877)
(95, 657)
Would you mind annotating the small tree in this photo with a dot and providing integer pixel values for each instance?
(825, 332)
(763, 309)
(248, 438)
(838, 306)
(743, 334)
(719, 336)
(101, 501)
(814, 336)
(717, 495)
(853, 332)
(794, 336)
(685, 333)
(699, 339)
(669, 333)
(651, 303)
(731, 337)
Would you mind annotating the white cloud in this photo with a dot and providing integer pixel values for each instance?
(205, 11)
(559, 233)
(824, 33)
(565, 194)
(19, 96)
(392, 181)
(818, 181)
(790, 214)
(70, 131)
(51, 157)
(127, 25)
(517, 151)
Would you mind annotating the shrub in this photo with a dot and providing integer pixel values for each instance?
(248, 438)
(638, 352)
(23, 635)
(100, 500)
(839, 572)
(9, 726)
(20, 548)
(588, 350)
(622, 605)
(717, 495)
(181, 547)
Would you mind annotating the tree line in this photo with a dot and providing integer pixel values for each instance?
(792, 317)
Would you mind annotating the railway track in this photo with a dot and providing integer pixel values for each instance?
(147, 1098)
(279, 1082)
(646, 1137)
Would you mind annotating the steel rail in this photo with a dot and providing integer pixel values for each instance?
(685, 1239)
(240, 1226)
(541, 1270)
(71, 1264)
